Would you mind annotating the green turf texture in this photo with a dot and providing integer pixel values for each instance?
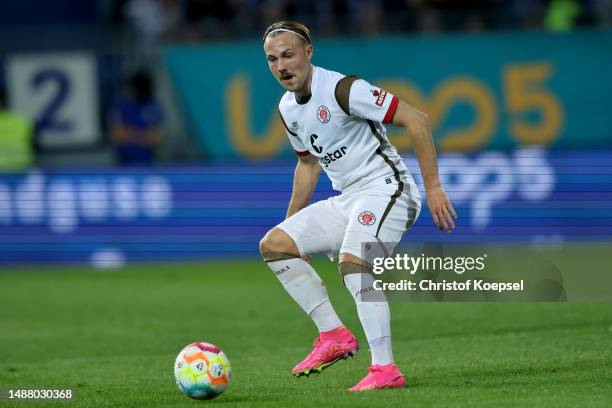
(112, 336)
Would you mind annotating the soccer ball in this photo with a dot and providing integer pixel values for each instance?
(202, 371)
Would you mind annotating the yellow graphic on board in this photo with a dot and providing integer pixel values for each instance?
(239, 125)
(524, 92)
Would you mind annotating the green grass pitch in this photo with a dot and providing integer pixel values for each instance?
(112, 336)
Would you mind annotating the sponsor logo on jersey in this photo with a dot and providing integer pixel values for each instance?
(380, 96)
(366, 218)
(332, 157)
(323, 114)
(317, 149)
(294, 125)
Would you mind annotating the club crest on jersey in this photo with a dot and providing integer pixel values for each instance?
(380, 96)
(323, 114)
(366, 218)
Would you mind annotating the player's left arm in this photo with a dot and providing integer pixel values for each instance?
(418, 127)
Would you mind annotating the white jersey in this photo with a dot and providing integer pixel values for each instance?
(342, 125)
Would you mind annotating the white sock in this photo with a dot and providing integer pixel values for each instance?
(308, 290)
(382, 353)
(374, 315)
(325, 317)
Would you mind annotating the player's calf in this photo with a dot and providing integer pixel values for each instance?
(299, 279)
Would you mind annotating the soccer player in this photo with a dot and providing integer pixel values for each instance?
(336, 122)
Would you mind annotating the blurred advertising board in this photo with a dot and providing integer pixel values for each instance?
(486, 91)
(223, 210)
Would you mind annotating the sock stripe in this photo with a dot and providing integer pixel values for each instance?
(277, 256)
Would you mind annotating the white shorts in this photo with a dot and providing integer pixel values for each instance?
(341, 224)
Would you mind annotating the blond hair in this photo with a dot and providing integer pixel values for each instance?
(294, 27)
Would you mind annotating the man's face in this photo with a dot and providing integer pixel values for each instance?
(289, 60)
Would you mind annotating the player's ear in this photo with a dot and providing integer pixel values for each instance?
(309, 51)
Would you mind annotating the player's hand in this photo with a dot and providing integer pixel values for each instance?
(307, 258)
(441, 209)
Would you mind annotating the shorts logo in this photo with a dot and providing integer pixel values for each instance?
(366, 218)
(380, 96)
(323, 114)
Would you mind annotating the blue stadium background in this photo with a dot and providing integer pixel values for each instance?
(221, 211)
(522, 119)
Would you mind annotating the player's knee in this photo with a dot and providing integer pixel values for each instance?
(269, 243)
(265, 244)
(276, 244)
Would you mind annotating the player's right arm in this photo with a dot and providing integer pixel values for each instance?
(305, 180)
(306, 172)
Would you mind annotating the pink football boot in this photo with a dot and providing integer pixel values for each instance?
(329, 347)
(381, 377)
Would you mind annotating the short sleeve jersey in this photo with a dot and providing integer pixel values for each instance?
(343, 126)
